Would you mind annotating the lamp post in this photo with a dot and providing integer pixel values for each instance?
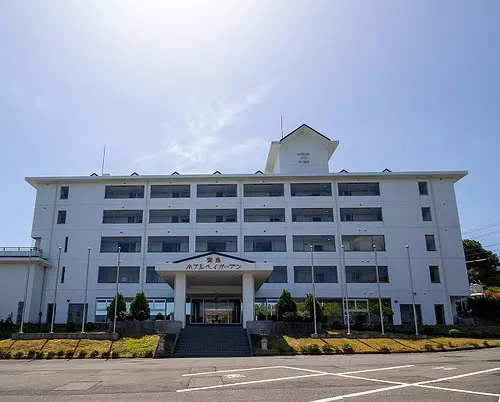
(412, 291)
(25, 291)
(379, 293)
(116, 295)
(86, 291)
(345, 292)
(55, 293)
(315, 335)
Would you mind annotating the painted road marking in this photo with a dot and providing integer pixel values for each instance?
(315, 374)
(444, 368)
(421, 384)
(233, 370)
(235, 375)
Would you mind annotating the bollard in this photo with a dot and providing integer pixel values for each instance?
(161, 344)
(263, 343)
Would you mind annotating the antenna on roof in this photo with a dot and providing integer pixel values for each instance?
(281, 125)
(103, 158)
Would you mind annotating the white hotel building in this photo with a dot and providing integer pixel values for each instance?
(210, 248)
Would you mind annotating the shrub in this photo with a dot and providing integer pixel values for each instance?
(6, 355)
(454, 332)
(286, 307)
(105, 355)
(139, 308)
(337, 325)
(121, 308)
(70, 326)
(358, 326)
(281, 351)
(82, 354)
(159, 316)
(39, 355)
(50, 355)
(31, 354)
(384, 349)
(19, 355)
(440, 346)
(308, 304)
(149, 354)
(314, 349)
(486, 344)
(94, 354)
(474, 344)
(69, 354)
(347, 348)
(134, 355)
(60, 354)
(304, 350)
(428, 347)
(327, 349)
(90, 326)
(115, 355)
(451, 345)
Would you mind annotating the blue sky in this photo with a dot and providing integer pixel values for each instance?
(199, 86)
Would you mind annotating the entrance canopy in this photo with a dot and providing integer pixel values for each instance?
(214, 269)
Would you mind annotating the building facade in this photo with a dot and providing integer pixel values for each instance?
(220, 248)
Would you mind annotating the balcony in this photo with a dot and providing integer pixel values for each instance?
(216, 215)
(265, 215)
(13, 252)
(312, 215)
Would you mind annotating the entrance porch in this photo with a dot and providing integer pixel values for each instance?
(221, 288)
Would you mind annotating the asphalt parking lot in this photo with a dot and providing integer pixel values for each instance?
(447, 376)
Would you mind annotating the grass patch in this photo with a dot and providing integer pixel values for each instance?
(358, 346)
(25, 346)
(138, 346)
(5, 344)
(90, 345)
(55, 345)
(387, 343)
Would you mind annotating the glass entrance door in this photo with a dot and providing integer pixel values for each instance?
(215, 311)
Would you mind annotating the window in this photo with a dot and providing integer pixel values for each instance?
(216, 244)
(75, 313)
(126, 275)
(434, 274)
(66, 244)
(322, 274)
(152, 276)
(169, 216)
(422, 188)
(366, 274)
(265, 215)
(311, 189)
(263, 190)
(126, 244)
(260, 244)
(61, 217)
(64, 193)
(426, 214)
(171, 191)
(216, 190)
(361, 214)
(358, 189)
(63, 274)
(319, 243)
(363, 242)
(312, 215)
(168, 244)
(122, 216)
(216, 215)
(430, 243)
(279, 275)
(49, 312)
(124, 192)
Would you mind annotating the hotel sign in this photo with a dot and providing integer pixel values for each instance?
(213, 264)
(303, 158)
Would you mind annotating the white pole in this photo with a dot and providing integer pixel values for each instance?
(55, 293)
(412, 291)
(314, 293)
(86, 291)
(25, 292)
(116, 296)
(345, 293)
(379, 293)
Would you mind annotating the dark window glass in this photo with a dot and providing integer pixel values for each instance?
(359, 189)
(63, 274)
(63, 195)
(19, 315)
(279, 275)
(360, 214)
(66, 244)
(152, 276)
(422, 188)
(430, 243)
(363, 242)
(311, 189)
(126, 275)
(124, 192)
(322, 274)
(61, 217)
(426, 214)
(366, 274)
(434, 274)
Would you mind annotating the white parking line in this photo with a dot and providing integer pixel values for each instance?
(233, 370)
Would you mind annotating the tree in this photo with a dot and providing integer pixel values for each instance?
(286, 307)
(121, 309)
(139, 308)
(482, 265)
(309, 307)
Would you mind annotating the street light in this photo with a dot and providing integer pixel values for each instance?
(379, 293)
(86, 290)
(345, 292)
(412, 292)
(116, 296)
(55, 293)
(25, 292)
(315, 335)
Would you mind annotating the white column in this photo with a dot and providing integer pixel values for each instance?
(180, 298)
(248, 291)
(396, 318)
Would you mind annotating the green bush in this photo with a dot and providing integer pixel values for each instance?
(6, 355)
(159, 317)
(94, 354)
(19, 355)
(384, 349)
(428, 347)
(454, 332)
(440, 346)
(314, 349)
(347, 348)
(39, 355)
(115, 355)
(139, 308)
(60, 354)
(31, 354)
(486, 344)
(50, 355)
(286, 307)
(358, 326)
(69, 354)
(327, 349)
(304, 350)
(105, 355)
(121, 308)
(149, 354)
(82, 354)
(308, 304)
(337, 325)
(70, 326)
(90, 326)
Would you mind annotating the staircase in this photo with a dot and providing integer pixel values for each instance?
(213, 341)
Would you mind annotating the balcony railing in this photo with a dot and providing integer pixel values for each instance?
(20, 252)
